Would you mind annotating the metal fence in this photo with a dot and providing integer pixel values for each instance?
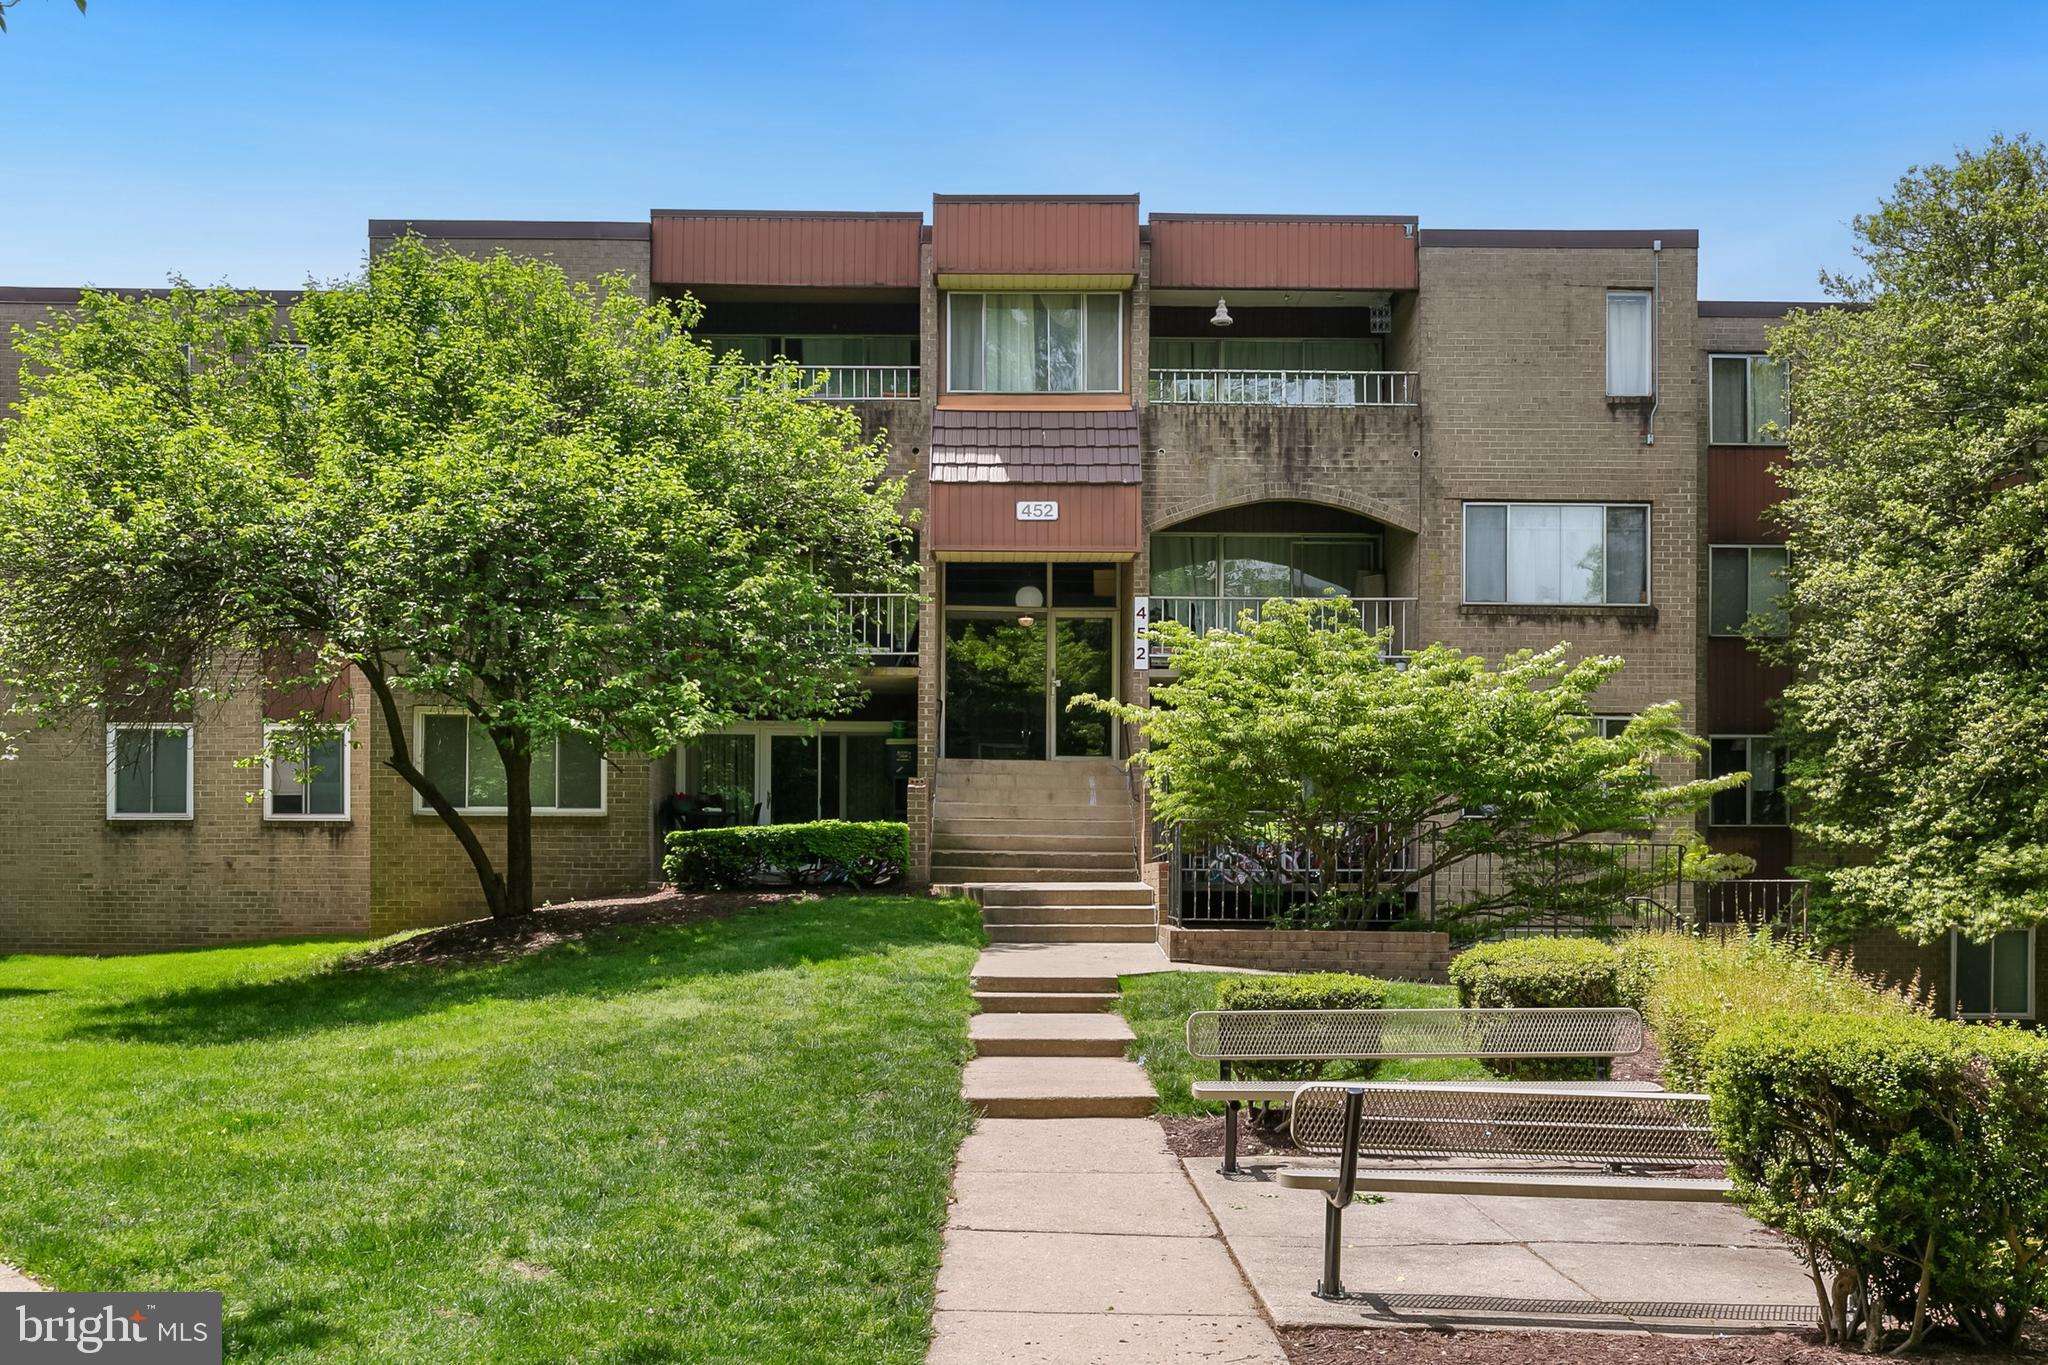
(1585, 887)
(1204, 614)
(1287, 388)
(884, 623)
(862, 383)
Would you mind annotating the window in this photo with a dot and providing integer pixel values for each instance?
(1628, 343)
(1762, 801)
(1993, 980)
(149, 772)
(310, 783)
(1580, 554)
(1744, 582)
(459, 758)
(1267, 566)
(1748, 395)
(1034, 343)
(780, 775)
(1610, 727)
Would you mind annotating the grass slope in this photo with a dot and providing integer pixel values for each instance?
(727, 1140)
(1157, 1007)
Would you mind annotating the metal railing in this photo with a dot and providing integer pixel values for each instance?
(884, 623)
(1749, 903)
(862, 383)
(1287, 388)
(1204, 614)
(1226, 882)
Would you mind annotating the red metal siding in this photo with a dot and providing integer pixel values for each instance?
(1282, 253)
(1740, 485)
(1106, 519)
(1740, 688)
(1079, 236)
(843, 250)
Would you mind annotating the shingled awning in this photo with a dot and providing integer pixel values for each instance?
(1035, 447)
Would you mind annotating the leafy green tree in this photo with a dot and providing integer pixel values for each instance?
(476, 486)
(1295, 734)
(1918, 585)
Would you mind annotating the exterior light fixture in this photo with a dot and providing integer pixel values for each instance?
(1222, 318)
(1030, 596)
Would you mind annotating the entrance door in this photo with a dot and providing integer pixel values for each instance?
(1083, 662)
(996, 686)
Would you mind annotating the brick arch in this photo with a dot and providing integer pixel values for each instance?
(1279, 490)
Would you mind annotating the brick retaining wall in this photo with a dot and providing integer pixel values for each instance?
(1402, 955)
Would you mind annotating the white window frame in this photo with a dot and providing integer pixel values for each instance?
(1122, 343)
(1748, 398)
(1749, 610)
(1749, 820)
(345, 732)
(114, 727)
(2033, 976)
(765, 731)
(1508, 531)
(420, 806)
(1618, 719)
(1649, 299)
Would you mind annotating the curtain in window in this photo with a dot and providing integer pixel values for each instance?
(1007, 363)
(1257, 566)
(1556, 554)
(1766, 397)
(1628, 344)
(1105, 344)
(1184, 566)
(1325, 568)
(1486, 554)
(725, 769)
(1056, 326)
(1767, 589)
(964, 348)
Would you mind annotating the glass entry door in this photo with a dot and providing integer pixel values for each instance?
(1083, 662)
(995, 686)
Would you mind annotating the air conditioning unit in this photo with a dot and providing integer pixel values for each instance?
(1380, 319)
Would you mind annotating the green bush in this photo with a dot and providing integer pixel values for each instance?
(822, 853)
(1689, 989)
(1908, 1156)
(1308, 991)
(1539, 973)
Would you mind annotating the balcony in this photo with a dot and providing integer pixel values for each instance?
(1287, 388)
(1204, 614)
(862, 383)
(884, 625)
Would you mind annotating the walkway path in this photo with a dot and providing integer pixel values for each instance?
(1075, 1237)
(12, 1281)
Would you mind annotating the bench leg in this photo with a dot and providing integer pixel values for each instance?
(1229, 1166)
(1331, 1286)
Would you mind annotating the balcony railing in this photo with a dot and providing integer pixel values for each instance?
(1204, 614)
(1287, 388)
(884, 623)
(855, 383)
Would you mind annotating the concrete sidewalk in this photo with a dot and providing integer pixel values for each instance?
(1078, 1241)
(12, 1281)
(1446, 1260)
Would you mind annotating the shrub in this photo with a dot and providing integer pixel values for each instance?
(1689, 989)
(1908, 1156)
(1307, 991)
(822, 853)
(1539, 973)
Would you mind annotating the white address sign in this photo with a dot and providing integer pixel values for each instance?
(1038, 511)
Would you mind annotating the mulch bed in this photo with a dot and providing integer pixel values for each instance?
(481, 941)
(1391, 1346)
(1202, 1135)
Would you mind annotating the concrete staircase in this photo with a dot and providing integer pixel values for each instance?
(1050, 850)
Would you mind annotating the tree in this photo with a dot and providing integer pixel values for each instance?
(1297, 739)
(476, 487)
(1918, 585)
(6, 5)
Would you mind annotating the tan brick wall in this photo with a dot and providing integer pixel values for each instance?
(71, 880)
(420, 875)
(1900, 961)
(1398, 955)
(28, 316)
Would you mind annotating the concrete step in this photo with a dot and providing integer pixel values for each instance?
(1010, 982)
(948, 810)
(1042, 1002)
(974, 874)
(1049, 1035)
(993, 915)
(1027, 840)
(1042, 825)
(1058, 1088)
(1123, 859)
(950, 766)
(1071, 933)
(1131, 892)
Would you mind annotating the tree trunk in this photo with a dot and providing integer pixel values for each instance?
(399, 760)
(517, 752)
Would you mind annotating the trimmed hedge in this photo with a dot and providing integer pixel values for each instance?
(821, 853)
(1306, 991)
(1909, 1156)
(1538, 973)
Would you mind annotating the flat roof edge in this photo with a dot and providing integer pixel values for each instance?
(511, 229)
(1536, 239)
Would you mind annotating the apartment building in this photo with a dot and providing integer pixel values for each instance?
(1496, 439)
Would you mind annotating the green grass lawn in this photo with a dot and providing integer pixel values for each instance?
(728, 1140)
(1157, 1007)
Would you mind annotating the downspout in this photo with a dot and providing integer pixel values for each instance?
(1656, 298)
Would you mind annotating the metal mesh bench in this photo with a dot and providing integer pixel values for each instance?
(1249, 1036)
(1625, 1145)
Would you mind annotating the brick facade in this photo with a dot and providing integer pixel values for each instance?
(1396, 955)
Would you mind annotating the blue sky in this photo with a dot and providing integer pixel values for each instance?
(251, 141)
